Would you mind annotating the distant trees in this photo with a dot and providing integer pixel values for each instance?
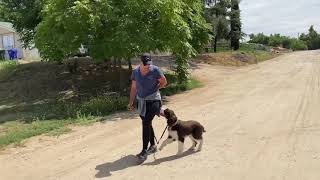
(224, 17)
(312, 39)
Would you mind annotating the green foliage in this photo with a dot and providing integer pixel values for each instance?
(24, 15)
(224, 16)
(216, 15)
(122, 29)
(103, 105)
(309, 41)
(312, 39)
(251, 47)
(258, 51)
(297, 44)
(174, 87)
(7, 67)
(259, 38)
(95, 106)
(235, 23)
(54, 119)
(16, 132)
(276, 40)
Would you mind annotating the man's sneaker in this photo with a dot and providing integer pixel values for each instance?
(142, 155)
(152, 149)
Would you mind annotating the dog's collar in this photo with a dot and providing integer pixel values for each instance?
(175, 123)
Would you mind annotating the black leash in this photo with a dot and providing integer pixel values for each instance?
(158, 142)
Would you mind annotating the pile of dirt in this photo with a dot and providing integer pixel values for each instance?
(40, 82)
(227, 59)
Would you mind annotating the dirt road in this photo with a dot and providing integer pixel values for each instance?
(262, 122)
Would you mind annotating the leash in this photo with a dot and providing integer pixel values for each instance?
(158, 142)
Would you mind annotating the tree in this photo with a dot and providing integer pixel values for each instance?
(25, 15)
(235, 23)
(313, 39)
(260, 38)
(216, 15)
(275, 40)
(297, 44)
(122, 29)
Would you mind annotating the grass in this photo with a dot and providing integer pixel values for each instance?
(16, 132)
(260, 52)
(247, 54)
(94, 106)
(7, 67)
(54, 119)
(174, 87)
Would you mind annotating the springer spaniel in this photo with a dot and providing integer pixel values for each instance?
(179, 130)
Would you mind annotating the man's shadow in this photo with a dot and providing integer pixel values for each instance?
(121, 164)
(104, 170)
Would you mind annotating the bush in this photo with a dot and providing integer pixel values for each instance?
(174, 87)
(104, 105)
(297, 44)
(95, 106)
(7, 67)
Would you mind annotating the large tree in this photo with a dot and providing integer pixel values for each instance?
(24, 15)
(312, 39)
(235, 23)
(122, 29)
(216, 14)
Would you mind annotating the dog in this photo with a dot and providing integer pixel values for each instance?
(179, 130)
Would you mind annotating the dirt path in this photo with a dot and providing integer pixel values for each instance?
(262, 122)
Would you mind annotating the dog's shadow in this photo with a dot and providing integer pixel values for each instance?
(170, 158)
(104, 170)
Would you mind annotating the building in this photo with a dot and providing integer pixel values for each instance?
(9, 39)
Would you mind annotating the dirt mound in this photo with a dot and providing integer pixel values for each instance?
(39, 82)
(233, 59)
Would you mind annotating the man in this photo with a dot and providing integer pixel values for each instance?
(147, 79)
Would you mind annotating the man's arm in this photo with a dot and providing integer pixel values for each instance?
(162, 82)
(133, 93)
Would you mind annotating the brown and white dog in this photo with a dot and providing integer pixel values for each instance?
(179, 130)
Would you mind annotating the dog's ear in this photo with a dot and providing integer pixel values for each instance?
(167, 113)
(171, 117)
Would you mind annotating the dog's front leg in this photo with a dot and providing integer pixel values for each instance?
(180, 146)
(166, 142)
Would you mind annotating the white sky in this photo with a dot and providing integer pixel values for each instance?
(287, 17)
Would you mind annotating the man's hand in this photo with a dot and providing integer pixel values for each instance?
(133, 93)
(130, 107)
(162, 82)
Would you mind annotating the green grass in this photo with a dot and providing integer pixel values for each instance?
(260, 52)
(174, 87)
(94, 106)
(7, 67)
(54, 119)
(263, 56)
(16, 132)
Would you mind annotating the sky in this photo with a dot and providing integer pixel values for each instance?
(287, 17)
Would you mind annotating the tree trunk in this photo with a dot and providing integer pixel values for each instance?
(215, 44)
(129, 64)
(235, 25)
(119, 63)
(114, 63)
